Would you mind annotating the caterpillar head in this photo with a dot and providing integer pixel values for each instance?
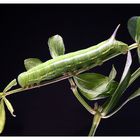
(22, 79)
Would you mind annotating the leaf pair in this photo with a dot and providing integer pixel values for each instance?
(56, 47)
(7, 103)
(2, 112)
(96, 86)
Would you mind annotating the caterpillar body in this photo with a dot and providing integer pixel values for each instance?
(74, 62)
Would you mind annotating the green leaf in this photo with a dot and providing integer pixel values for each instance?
(56, 46)
(31, 62)
(134, 28)
(95, 86)
(2, 116)
(10, 85)
(9, 106)
(135, 94)
(112, 74)
(134, 76)
(127, 67)
(121, 87)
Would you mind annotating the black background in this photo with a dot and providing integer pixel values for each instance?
(53, 110)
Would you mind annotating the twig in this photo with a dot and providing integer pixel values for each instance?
(80, 99)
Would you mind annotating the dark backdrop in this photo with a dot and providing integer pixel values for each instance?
(53, 110)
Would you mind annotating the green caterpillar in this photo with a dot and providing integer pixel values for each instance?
(72, 63)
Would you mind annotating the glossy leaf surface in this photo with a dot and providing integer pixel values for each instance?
(134, 28)
(10, 85)
(135, 94)
(9, 106)
(31, 62)
(56, 46)
(95, 86)
(112, 74)
(2, 115)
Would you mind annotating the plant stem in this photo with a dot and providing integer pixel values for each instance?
(132, 46)
(134, 76)
(15, 91)
(96, 120)
(73, 87)
(80, 99)
(132, 96)
(119, 108)
(37, 86)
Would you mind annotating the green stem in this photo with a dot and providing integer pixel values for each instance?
(134, 76)
(132, 46)
(132, 96)
(96, 120)
(15, 91)
(119, 108)
(37, 86)
(80, 99)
